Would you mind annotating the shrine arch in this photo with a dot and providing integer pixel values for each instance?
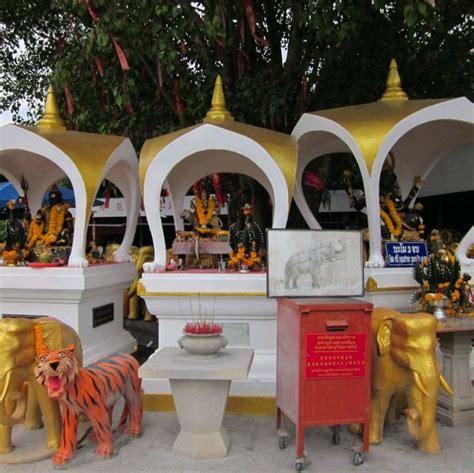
(202, 151)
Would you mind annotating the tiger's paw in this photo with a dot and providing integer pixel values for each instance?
(61, 457)
(105, 450)
(133, 431)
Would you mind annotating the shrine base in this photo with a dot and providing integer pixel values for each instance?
(237, 300)
(90, 300)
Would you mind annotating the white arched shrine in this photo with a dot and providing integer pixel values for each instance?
(48, 152)
(418, 132)
(89, 299)
(218, 145)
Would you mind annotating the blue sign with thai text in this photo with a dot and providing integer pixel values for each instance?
(405, 254)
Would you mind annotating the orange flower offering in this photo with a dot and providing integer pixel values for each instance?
(9, 257)
(204, 216)
(439, 277)
(394, 217)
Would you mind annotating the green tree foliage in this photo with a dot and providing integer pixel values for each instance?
(278, 58)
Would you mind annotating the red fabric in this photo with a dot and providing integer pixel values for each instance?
(178, 103)
(216, 183)
(313, 180)
(69, 100)
(197, 188)
(92, 12)
(120, 54)
(220, 47)
(250, 14)
(99, 65)
(129, 108)
(304, 92)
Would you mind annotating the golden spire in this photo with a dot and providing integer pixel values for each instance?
(218, 112)
(51, 117)
(394, 91)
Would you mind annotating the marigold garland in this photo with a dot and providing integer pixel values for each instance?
(242, 258)
(395, 231)
(56, 222)
(205, 216)
(40, 346)
(34, 233)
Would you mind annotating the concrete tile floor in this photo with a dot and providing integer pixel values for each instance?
(254, 448)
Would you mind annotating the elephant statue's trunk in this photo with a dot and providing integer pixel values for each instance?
(421, 425)
(12, 404)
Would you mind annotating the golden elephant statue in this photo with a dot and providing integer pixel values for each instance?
(111, 248)
(19, 339)
(143, 255)
(404, 363)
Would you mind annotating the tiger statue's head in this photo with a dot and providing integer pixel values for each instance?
(54, 369)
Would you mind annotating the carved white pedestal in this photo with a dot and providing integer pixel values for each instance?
(200, 408)
(71, 295)
(200, 386)
(459, 409)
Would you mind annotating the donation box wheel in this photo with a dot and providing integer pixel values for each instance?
(358, 459)
(336, 438)
(282, 443)
(299, 465)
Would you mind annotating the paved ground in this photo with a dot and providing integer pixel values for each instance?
(255, 449)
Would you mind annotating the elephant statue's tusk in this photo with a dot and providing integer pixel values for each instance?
(419, 384)
(6, 387)
(19, 412)
(445, 385)
(12, 404)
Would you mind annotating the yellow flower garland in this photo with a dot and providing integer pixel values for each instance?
(56, 221)
(395, 231)
(34, 233)
(40, 346)
(205, 216)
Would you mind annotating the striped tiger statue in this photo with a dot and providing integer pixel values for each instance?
(92, 391)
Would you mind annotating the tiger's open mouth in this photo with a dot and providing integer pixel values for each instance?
(55, 386)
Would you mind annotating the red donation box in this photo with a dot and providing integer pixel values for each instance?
(323, 366)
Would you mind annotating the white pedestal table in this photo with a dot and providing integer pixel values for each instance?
(455, 341)
(200, 385)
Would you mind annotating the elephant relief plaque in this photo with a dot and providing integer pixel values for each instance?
(314, 263)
